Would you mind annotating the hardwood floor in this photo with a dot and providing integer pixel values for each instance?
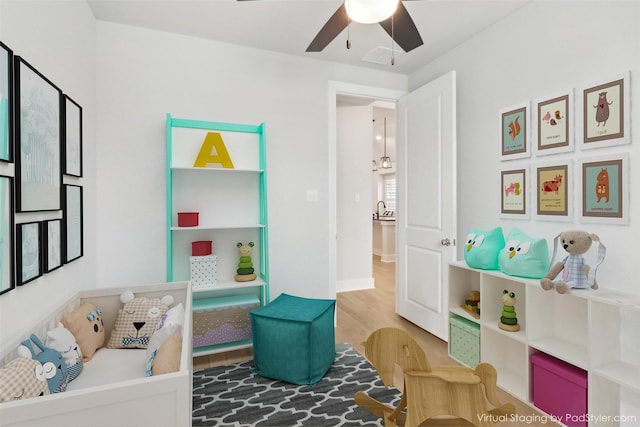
(359, 313)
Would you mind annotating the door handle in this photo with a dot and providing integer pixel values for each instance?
(445, 242)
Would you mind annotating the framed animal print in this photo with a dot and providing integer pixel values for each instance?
(553, 123)
(605, 193)
(514, 132)
(605, 113)
(513, 193)
(552, 191)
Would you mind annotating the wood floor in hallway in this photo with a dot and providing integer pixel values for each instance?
(359, 313)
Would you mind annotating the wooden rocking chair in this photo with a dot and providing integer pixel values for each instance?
(440, 396)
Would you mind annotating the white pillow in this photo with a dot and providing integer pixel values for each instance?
(175, 316)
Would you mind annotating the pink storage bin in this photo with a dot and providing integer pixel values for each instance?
(560, 389)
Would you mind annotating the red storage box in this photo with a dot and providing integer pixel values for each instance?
(560, 389)
(187, 219)
(201, 248)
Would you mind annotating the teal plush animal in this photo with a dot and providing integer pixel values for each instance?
(482, 247)
(524, 256)
(52, 362)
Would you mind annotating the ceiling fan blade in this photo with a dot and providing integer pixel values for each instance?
(334, 26)
(405, 32)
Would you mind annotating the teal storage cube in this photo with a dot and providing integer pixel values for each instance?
(294, 339)
(464, 341)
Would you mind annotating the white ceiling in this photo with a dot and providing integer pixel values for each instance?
(288, 26)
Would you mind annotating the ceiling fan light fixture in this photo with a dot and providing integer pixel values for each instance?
(370, 11)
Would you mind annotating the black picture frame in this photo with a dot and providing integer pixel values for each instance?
(38, 137)
(52, 236)
(7, 234)
(28, 251)
(72, 223)
(72, 137)
(6, 103)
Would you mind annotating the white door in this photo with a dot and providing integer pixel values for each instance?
(426, 192)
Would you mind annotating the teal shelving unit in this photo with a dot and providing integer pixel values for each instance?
(232, 208)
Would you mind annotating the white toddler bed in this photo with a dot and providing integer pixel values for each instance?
(112, 389)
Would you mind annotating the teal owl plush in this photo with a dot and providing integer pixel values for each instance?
(524, 256)
(482, 247)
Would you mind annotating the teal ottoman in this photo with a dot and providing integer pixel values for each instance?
(294, 339)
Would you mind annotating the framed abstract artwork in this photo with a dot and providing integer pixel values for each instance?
(606, 113)
(553, 124)
(38, 137)
(6, 103)
(72, 160)
(52, 244)
(514, 132)
(605, 192)
(28, 251)
(73, 228)
(7, 281)
(552, 191)
(513, 193)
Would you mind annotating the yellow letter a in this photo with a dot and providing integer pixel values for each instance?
(205, 156)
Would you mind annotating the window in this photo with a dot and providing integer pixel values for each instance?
(389, 192)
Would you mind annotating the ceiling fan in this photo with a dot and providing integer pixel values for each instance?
(399, 26)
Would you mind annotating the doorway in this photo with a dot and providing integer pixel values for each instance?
(362, 94)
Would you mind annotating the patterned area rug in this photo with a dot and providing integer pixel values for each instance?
(232, 396)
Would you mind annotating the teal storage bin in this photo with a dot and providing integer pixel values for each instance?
(294, 339)
(464, 341)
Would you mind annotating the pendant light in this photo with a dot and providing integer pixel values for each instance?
(385, 161)
(374, 166)
(370, 11)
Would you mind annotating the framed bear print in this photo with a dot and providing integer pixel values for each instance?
(605, 195)
(605, 113)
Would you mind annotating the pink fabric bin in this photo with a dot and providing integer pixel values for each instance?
(560, 389)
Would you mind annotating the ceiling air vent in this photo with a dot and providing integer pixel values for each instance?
(382, 55)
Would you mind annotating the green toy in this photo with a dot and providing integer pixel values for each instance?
(246, 272)
(508, 319)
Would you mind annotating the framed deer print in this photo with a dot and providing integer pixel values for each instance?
(553, 192)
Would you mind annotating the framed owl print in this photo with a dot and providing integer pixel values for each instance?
(605, 113)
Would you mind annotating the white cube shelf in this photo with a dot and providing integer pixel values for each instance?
(596, 330)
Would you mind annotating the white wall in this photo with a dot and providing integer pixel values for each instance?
(542, 49)
(354, 198)
(58, 39)
(144, 74)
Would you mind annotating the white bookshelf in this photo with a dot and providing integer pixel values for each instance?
(595, 330)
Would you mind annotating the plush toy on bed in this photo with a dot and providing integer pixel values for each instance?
(87, 327)
(575, 273)
(51, 360)
(137, 320)
(22, 378)
(62, 340)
